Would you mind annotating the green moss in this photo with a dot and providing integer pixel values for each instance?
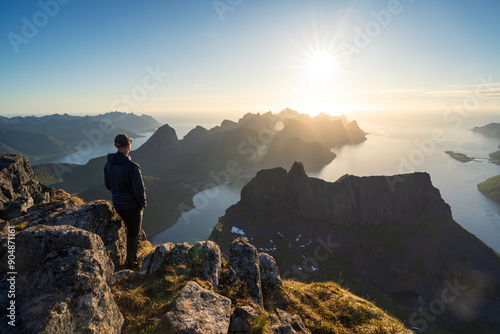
(259, 325)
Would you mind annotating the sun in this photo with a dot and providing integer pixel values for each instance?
(320, 71)
(321, 68)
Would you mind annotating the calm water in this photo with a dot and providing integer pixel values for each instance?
(389, 150)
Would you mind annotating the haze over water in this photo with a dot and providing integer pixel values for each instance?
(391, 148)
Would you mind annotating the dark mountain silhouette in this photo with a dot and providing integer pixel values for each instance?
(208, 157)
(390, 237)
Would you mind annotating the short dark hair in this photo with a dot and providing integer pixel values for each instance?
(123, 140)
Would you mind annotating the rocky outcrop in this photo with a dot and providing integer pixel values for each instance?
(61, 282)
(98, 217)
(156, 259)
(404, 199)
(204, 259)
(19, 187)
(272, 286)
(197, 310)
(244, 260)
(65, 255)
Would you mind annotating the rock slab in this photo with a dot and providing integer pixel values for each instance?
(197, 310)
(62, 282)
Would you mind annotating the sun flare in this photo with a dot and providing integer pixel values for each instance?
(321, 67)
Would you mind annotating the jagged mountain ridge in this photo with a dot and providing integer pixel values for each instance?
(390, 237)
(206, 158)
(68, 255)
(351, 200)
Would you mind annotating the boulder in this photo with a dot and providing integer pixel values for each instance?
(98, 217)
(241, 319)
(197, 310)
(244, 260)
(61, 282)
(284, 323)
(205, 260)
(156, 258)
(272, 286)
(179, 253)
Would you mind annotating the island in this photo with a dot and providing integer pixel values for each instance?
(459, 156)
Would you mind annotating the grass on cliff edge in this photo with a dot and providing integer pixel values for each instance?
(323, 307)
(328, 308)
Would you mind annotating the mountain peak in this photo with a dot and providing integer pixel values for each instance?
(164, 141)
(297, 170)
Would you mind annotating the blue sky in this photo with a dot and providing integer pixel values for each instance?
(234, 56)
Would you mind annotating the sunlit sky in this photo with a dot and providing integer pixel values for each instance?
(235, 56)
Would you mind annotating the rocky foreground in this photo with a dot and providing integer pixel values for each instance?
(62, 263)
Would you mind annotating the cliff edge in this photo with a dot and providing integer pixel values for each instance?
(405, 199)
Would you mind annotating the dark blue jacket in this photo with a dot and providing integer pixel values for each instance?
(123, 178)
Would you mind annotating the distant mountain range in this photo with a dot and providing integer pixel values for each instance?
(176, 169)
(41, 137)
(390, 237)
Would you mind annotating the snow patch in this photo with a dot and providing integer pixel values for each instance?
(237, 231)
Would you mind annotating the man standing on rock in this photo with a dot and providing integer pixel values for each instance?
(123, 178)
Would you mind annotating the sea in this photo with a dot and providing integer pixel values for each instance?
(395, 147)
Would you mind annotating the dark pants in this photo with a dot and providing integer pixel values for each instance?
(133, 221)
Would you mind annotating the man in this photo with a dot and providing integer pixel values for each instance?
(123, 178)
